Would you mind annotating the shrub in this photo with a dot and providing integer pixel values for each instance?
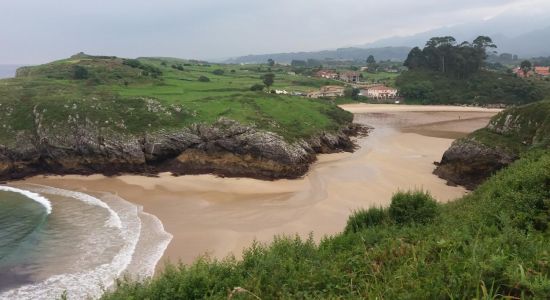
(413, 207)
(178, 67)
(218, 72)
(204, 79)
(257, 87)
(79, 73)
(134, 63)
(361, 219)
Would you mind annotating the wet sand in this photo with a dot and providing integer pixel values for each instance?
(220, 216)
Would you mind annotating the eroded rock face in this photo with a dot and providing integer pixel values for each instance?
(226, 148)
(469, 163)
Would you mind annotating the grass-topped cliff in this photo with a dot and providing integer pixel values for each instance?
(490, 244)
(116, 90)
(508, 135)
(89, 111)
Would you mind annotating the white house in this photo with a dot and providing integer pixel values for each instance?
(380, 92)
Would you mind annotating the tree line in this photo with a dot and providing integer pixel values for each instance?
(445, 55)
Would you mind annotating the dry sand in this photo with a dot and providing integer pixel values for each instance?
(220, 216)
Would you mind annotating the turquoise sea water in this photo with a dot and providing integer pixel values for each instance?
(21, 221)
(54, 240)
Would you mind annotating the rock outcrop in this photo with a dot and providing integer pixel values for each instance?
(471, 160)
(225, 148)
(469, 163)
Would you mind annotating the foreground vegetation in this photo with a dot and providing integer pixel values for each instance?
(490, 244)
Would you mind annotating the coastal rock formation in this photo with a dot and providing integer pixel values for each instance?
(471, 160)
(226, 148)
(469, 163)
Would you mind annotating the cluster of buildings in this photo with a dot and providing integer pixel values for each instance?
(329, 91)
(348, 76)
(543, 72)
(379, 92)
(376, 91)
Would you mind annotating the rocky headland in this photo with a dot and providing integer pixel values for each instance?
(225, 148)
(471, 160)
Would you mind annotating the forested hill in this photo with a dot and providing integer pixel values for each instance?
(385, 53)
(450, 73)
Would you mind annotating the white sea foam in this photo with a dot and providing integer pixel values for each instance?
(90, 283)
(34, 196)
(114, 218)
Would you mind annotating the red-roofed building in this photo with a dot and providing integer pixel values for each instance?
(536, 71)
(542, 71)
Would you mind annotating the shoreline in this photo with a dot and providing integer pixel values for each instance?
(222, 216)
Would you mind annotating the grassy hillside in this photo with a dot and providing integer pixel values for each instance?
(482, 88)
(518, 129)
(490, 244)
(137, 96)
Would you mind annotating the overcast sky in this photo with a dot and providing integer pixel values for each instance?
(38, 31)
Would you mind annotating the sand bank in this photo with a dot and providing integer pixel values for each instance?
(219, 216)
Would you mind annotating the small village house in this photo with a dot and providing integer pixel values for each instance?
(350, 77)
(542, 71)
(329, 91)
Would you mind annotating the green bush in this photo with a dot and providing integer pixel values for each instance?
(523, 198)
(413, 207)
(361, 219)
(257, 87)
(79, 73)
(204, 79)
(218, 72)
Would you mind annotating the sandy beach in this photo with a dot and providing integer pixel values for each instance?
(220, 216)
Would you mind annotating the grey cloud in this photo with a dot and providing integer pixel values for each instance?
(37, 31)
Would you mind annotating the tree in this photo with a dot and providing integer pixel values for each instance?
(218, 72)
(268, 79)
(415, 59)
(371, 60)
(270, 62)
(352, 93)
(484, 42)
(525, 66)
(443, 55)
(79, 73)
(204, 79)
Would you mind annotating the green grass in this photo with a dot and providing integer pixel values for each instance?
(386, 78)
(518, 129)
(118, 97)
(490, 244)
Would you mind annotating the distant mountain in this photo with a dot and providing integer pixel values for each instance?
(352, 53)
(7, 71)
(524, 37)
(531, 44)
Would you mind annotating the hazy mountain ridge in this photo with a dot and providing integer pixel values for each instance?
(526, 38)
(351, 53)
